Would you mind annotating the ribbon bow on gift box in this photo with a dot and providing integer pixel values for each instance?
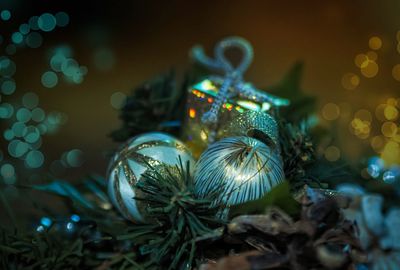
(232, 82)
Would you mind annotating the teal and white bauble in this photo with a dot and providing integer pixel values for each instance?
(243, 168)
(132, 160)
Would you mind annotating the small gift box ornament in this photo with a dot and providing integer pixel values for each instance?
(213, 102)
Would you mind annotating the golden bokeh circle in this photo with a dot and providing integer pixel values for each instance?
(391, 153)
(350, 81)
(371, 55)
(375, 43)
(396, 72)
(380, 112)
(330, 111)
(369, 69)
(377, 143)
(360, 59)
(389, 129)
(332, 153)
(391, 112)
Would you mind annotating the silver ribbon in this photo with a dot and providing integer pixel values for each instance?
(233, 76)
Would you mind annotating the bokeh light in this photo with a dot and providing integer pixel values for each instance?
(389, 129)
(396, 72)
(75, 158)
(34, 40)
(61, 61)
(34, 159)
(24, 28)
(350, 81)
(23, 115)
(47, 22)
(117, 100)
(30, 100)
(330, 111)
(8, 134)
(33, 23)
(49, 79)
(6, 110)
(391, 153)
(360, 60)
(5, 15)
(369, 69)
(360, 128)
(32, 134)
(45, 221)
(375, 43)
(7, 67)
(332, 153)
(8, 87)
(38, 115)
(391, 112)
(62, 19)
(19, 129)
(372, 55)
(17, 148)
(377, 143)
(17, 38)
(7, 170)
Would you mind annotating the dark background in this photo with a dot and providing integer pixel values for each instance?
(146, 38)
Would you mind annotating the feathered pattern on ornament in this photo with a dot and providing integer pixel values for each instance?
(245, 167)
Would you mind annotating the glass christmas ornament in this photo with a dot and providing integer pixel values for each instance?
(243, 168)
(131, 161)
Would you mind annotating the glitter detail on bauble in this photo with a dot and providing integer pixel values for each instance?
(254, 124)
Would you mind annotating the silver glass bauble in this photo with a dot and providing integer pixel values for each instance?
(243, 168)
(132, 160)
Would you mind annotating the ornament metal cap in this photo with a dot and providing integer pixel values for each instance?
(255, 124)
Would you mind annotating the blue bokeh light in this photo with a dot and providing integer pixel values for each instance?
(49, 79)
(45, 221)
(34, 40)
(24, 28)
(38, 115)
(23, 115)
(34, 159)
(62, 19)
(33, 23)
(30, 100)
(7, 170)
(8, 87)
(75, 218)
(5, 15)
(17, 38)
(47, 22)
(6, 110)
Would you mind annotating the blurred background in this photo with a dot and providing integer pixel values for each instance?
(66, 68)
